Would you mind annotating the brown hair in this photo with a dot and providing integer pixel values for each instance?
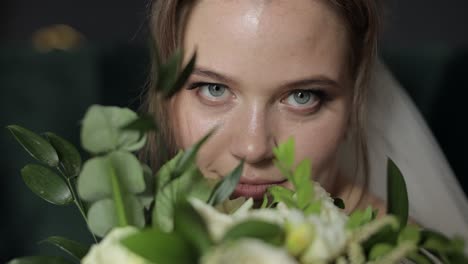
(167, 21)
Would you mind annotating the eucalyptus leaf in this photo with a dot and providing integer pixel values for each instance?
(38, 147)
(40, 260)
(191, 226)
(397, 195)
(268, 232)
(102, 215)
(69, 157)
(183, 77)
(160, 247)
(94, 182)
(224, 189)
(46, 184)
(73, 248)
(101, 130)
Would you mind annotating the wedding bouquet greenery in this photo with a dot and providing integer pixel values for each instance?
(175, 215)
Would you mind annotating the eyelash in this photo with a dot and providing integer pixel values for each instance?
(321, 95)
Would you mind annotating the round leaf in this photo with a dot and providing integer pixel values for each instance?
(94, 181)
(35, 145)
(102, 130)
(73, 248)
(69, 156)
(102, 216)
(46, 184)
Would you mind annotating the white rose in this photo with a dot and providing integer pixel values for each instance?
(248, 251)
(109, 250)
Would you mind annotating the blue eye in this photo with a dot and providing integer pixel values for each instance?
(302, 98)
(214, 91)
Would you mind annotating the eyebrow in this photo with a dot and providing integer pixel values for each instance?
(316, 80)
(205, 72)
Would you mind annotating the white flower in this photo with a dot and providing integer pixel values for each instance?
(109, 250)
(248, 251)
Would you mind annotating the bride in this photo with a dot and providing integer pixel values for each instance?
(270, 70)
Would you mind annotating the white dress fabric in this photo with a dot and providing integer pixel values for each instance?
(396, 129)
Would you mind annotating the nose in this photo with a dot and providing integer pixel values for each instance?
(253, 139)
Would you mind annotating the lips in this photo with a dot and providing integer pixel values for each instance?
(253, 189)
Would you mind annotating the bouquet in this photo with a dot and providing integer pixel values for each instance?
(175, 215)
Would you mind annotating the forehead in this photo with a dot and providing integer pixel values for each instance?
(268, 41)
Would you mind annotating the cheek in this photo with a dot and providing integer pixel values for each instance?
(191, 123)
(319, 141)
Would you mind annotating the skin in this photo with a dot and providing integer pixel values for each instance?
(262, 55)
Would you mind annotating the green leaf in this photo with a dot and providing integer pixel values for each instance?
(101, 131)
(190, 225)
(46, 184)
(268, 232)
(175, 191)
(379, 250)
(40, 260)
(164, 174)
(397, 195)
(264, 202)
(73, 248)
(160, 247)
(69, 157)
(284, 153)
(167, 73)
(94, 182)
(409, 233)
(226, 186)
(282, 194)
(35, 145)
(359, 218)
(142, 124)
(183, 77)
(339, 203)
(303, 184)
(102, 215)
(188, 157)
(313, 208)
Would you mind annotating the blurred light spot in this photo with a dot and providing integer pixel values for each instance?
(57, 37)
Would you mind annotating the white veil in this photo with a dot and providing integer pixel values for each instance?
(396, 129)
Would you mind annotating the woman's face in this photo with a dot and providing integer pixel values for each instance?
(266, 71)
